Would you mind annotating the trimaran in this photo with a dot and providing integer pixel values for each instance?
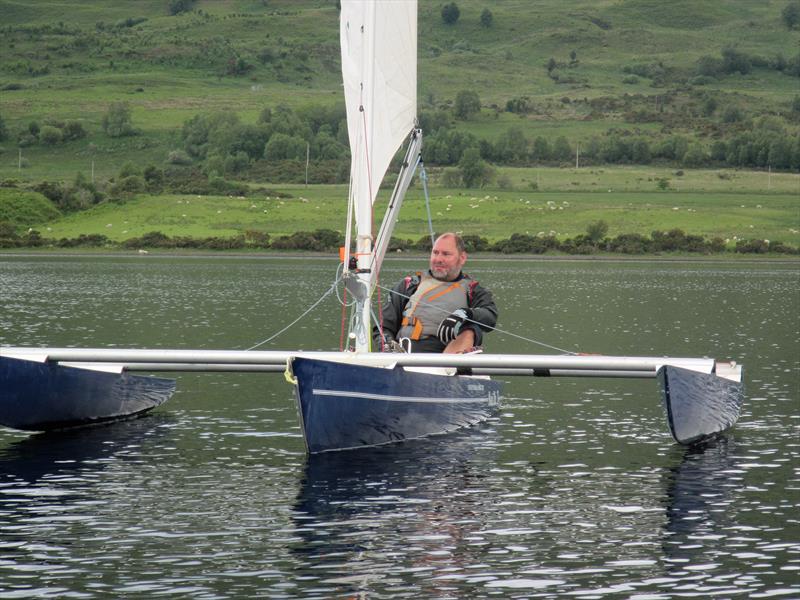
(356, 398)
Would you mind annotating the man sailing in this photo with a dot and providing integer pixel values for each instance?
(441, 310)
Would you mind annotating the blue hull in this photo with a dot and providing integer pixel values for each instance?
(698, 405)
(344, 406)
(44, 396)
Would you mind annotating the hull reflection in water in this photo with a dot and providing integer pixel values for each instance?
(362, 518)
(345, 406)
(41, 455)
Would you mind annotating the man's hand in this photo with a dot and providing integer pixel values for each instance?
(450, 327)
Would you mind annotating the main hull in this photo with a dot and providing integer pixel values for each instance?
(344, 406)
(45, 396)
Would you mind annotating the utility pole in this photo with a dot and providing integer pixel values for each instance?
(19, 162)
(308, 154)
(577, 155)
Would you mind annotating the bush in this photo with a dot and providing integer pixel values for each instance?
(467, 104)
(628, 243)
(752, 246)
(50, 136)
(524, 243)
(474, 243)
(178, 6)
(73, 130)
(179, 157)
(450, 13)
(791, 15)
(117, 121)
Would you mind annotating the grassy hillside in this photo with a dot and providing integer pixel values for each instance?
(585, 69)
(70, 60)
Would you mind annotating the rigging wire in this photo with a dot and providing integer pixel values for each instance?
(423, 176)
(330, 290)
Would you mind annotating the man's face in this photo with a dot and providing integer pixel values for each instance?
(446, 260)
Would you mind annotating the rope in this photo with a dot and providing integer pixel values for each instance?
(521, 337)
(310, 308)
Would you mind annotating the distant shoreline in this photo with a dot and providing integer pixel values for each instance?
(473, 257)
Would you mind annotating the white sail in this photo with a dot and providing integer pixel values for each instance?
(379, 70)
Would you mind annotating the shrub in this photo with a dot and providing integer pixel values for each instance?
(50, 136)
(178, 6)
(791, 15)
(474, 243)
(467, 104)
(596, 231)
(117, 121)
(628, 243)
(179, 157)
(450, 13)
(73, 130)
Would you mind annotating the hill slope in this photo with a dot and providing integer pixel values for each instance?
(583, 67)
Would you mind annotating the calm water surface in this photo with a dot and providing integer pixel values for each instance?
(575, 489)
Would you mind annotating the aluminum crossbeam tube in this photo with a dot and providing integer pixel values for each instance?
(271, 357)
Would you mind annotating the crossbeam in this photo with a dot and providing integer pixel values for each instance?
(243, 360)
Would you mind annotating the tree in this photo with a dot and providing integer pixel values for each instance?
(511, 146)
(487, 18)
(3, 129)
(791, 15)
(541, 149)
(596, 231)
(475, 172)
(281, 147)
(117, 121)
(561, 149)
(467, 104)
(450, 13)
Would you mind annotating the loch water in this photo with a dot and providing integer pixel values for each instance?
(574, 489)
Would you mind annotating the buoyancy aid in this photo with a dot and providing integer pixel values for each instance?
(432, 301)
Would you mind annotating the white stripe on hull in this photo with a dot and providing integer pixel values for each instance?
(366, 396)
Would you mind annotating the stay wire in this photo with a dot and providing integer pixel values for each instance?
(334, 287)
(521, 337)
(423, 176)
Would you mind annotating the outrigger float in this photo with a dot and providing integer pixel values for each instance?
(356, 398)
(342, 406)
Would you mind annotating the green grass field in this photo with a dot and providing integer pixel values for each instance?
(748, 213)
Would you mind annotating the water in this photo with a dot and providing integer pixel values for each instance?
(575, 489)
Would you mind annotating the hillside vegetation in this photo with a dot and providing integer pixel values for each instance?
(113, 100)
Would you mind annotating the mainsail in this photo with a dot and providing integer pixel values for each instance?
(379, 72)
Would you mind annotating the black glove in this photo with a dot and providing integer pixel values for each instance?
(451, 326)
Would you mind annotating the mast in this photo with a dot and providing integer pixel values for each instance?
(379, 73)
